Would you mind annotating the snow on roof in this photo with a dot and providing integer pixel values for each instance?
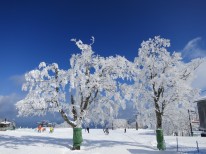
(201, 99)
(5, 122)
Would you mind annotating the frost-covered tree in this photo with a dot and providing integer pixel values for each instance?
(92, 82)
(162, 89)
(164, 80)
(46, 90)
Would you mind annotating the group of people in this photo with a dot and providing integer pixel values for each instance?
(42, 129)
(106, 131)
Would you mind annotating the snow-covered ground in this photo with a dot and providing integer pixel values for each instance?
(28, 141)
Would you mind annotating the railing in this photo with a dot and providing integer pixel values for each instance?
(185, 149)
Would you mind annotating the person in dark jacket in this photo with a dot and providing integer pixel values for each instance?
(88, 129)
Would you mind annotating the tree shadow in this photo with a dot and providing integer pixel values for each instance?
(147, 133)
(144, 151)
(92, 144)
(15, 142)
(192, 150)
(202, 151)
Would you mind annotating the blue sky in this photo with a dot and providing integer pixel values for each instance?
(40, 30)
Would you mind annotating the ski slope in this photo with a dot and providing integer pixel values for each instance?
(29, 141)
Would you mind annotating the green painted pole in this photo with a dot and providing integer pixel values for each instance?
(77, 138)
(160, 139)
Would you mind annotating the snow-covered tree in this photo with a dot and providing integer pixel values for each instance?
(46, 90)
(164, 83)
(93, 85)
(162, 89)
(120, 123)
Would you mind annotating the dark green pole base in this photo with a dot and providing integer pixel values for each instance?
(77, 138)
(160, 139)
(76, 148)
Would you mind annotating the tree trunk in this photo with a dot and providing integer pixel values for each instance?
(159, 132)
(77, 132)
(159, 120)
(136, 125)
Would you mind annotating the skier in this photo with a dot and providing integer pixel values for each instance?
(39, 128)
(51, 130)
(88, 129)
(106, 131)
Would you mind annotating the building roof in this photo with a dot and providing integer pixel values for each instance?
(201, 99)
(3, 122)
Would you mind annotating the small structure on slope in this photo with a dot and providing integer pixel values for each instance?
(201, 105)
(120, 123)
(6, 125)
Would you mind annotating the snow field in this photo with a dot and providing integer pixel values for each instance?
(28, 141)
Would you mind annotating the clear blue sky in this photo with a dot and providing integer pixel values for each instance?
(32, 31)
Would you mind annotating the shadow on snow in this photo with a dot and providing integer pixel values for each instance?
(14, 142)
